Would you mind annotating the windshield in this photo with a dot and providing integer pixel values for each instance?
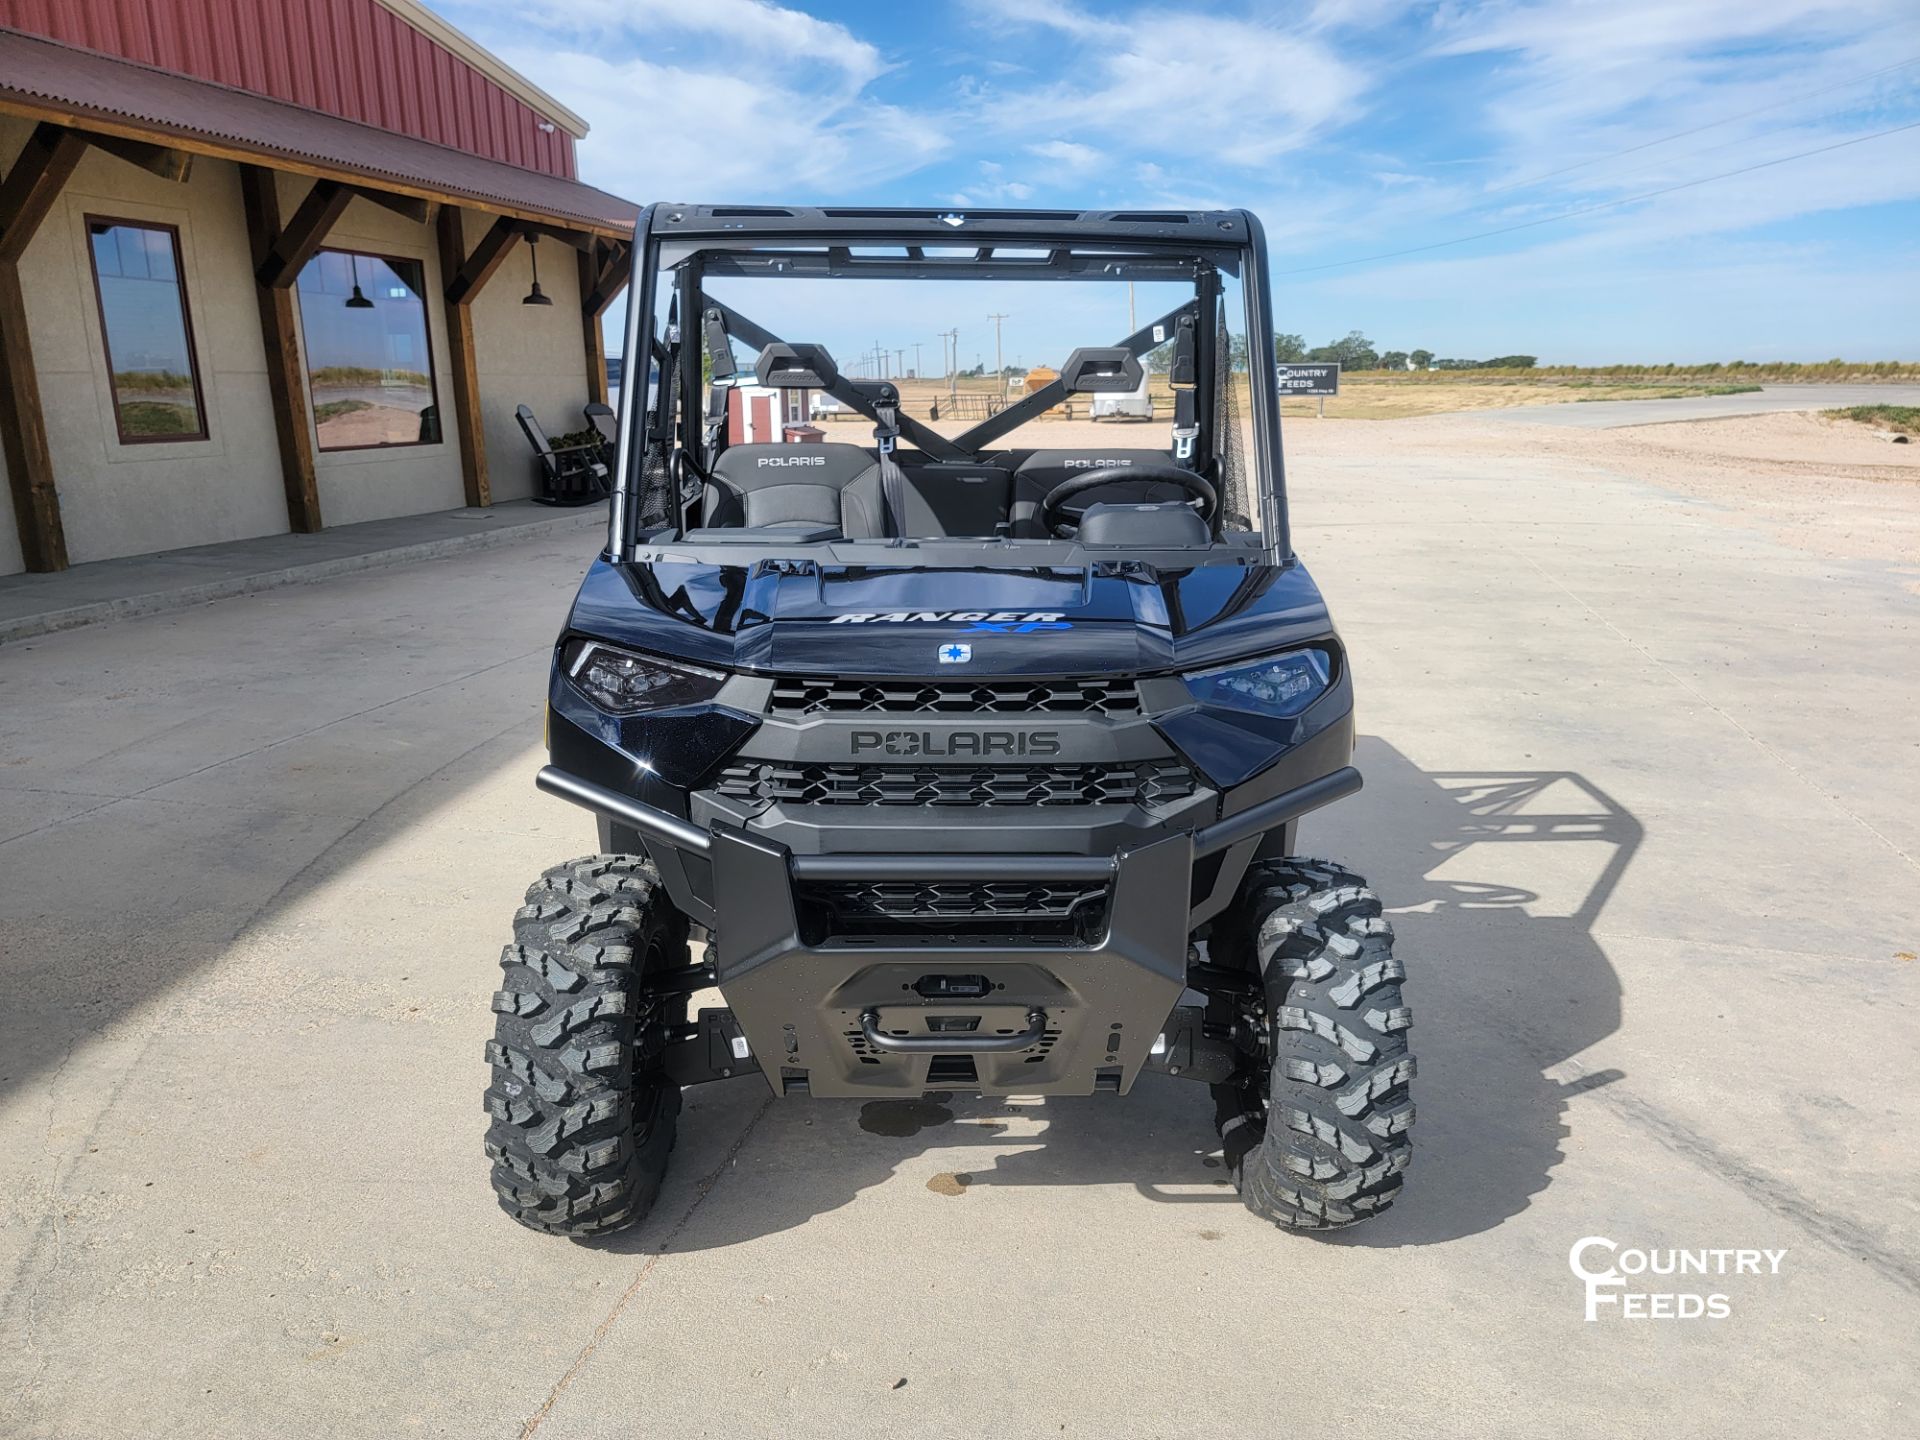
(836, 394)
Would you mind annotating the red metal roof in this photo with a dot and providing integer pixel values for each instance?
(59, 82)
(352, 58)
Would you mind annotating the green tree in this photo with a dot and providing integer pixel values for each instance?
(1511, 362)
(1394, 360)
(1287, 348)
(1421, 359)
(1355, 352)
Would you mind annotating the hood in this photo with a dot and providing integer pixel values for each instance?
(800, 617)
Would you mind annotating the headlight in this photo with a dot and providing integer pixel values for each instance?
(623, 683)
(1282, 685)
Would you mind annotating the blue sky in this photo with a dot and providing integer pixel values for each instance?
(1354, 129)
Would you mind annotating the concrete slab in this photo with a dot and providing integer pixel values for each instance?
(1637, 795)
(1613, 414)
(176, 579)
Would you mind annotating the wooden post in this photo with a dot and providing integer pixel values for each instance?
(28, 194)
(603, 274)
(457, 280)
(279, 338)
(591, 338)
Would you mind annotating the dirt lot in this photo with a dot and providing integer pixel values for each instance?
(1369, 397)
(1643, 796)
(1832, 487)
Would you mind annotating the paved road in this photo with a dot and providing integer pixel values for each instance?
(1611, 414)
(1641, 789)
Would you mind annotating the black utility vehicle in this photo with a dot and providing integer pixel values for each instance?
(972, 764)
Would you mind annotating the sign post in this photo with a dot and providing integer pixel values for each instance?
(1316, 380)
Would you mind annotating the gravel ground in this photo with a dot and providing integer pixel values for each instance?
(1829, 487)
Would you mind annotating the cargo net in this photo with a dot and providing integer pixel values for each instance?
(656, 507)
(1231, 439)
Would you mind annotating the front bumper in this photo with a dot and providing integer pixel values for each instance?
(819, 1011)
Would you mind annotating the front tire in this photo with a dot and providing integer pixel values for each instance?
(583, 1113)
(1315, 1126)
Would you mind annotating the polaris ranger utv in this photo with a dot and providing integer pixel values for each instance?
(973, 756)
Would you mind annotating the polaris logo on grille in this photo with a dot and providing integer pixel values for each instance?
(766, 460)
(913, 743)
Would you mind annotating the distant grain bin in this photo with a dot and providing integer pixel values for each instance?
(1039, 378)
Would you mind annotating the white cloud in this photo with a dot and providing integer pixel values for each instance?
(1069, 153)
(1171, 83)
(757, 28)
(668, 133)
(712, 99)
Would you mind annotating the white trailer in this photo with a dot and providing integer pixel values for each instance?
(1127, 405)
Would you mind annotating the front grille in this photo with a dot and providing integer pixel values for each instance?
(797, 698)
(959, 899)
(1153, 782)
(1067, 910)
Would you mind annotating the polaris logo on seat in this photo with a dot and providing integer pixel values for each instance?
(793, 460)
(913, 743)
(1094, 464)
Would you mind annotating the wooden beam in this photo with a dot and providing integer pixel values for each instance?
(468, 274)
(93, 124)
(280, 339)
(304, 233)
(610, 279)
(591, 338)
(27, 194)
(578, 239)
(463, 370)
(162, 160)
(31, 187)
(410, 206)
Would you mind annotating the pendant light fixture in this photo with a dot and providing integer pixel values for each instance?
(357, 301)
(534, 296)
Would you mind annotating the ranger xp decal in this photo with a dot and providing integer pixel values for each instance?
(1004, 622)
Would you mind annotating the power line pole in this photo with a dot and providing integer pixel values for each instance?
(900, 363)
(999, 370)
(953, 366)
(916, 360)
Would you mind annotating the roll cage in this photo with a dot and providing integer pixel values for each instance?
(665, 432)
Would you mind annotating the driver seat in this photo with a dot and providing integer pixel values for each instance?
(1036, 475)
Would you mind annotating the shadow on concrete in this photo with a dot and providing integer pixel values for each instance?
(1494, 881)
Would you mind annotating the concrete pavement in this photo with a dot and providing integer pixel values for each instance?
(175, 579)
(1642, 794)
(1768, 399)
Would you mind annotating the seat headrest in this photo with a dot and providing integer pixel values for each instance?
(1050, 467)
(750, 467)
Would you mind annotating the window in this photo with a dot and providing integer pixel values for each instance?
(144, 326)
(369, 367)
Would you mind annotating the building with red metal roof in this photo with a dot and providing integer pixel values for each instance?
(270, 265)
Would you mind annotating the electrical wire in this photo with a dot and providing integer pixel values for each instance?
(1600, 205)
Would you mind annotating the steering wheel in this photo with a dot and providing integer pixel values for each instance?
(1166, 473)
